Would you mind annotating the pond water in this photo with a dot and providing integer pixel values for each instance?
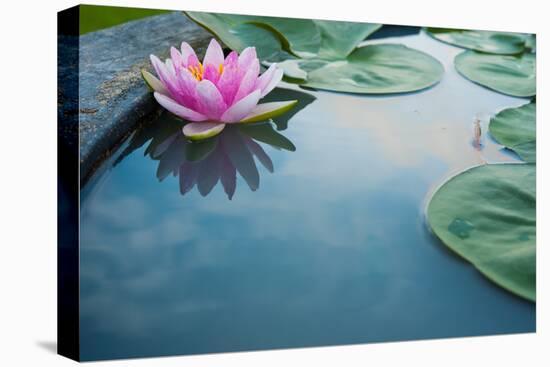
(322, 241)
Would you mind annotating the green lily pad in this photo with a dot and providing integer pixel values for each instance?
(339, 39)
(512, 75)
(487, 215)
(378, 69)
(303, 38)
(270, 35)
(292, 71)
(222, 26)
(268, 45)
(300, 37)
(515, 128)
(238, 35)
(527, 151)
(503, 43)
(296, 70)
(324, 54)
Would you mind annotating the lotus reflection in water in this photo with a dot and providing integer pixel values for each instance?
(206, 163)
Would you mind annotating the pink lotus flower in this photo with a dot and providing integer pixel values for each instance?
(215, 92)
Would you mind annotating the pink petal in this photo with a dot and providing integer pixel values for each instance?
(202, 130)
(171, 69)
(187, 85)
(211, 73)
(192, 60)
(267, 84)
(177, 59)
(181, 87)
(228, 83)
(161, 70)
(265, 78)
(242, 108)
(164, 75)
(228, 86)
(210, 100)
(178, 109)
(249, 80)
(155, 61)
(186, 51)
(214, 54)
(247, 57)
(231, 60)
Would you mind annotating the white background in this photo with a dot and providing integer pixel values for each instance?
(28, 184)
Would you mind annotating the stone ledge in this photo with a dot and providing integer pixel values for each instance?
(112, 95)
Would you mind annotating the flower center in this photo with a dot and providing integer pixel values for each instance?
(197, 71)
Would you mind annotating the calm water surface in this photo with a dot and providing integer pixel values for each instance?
(313, 234)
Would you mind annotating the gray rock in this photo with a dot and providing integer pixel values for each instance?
(112, 95)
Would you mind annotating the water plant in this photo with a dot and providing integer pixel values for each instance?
(217, 91)
(326, 55)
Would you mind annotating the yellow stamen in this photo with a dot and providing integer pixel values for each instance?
(197, 71)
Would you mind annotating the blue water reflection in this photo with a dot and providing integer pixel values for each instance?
(331, 248)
